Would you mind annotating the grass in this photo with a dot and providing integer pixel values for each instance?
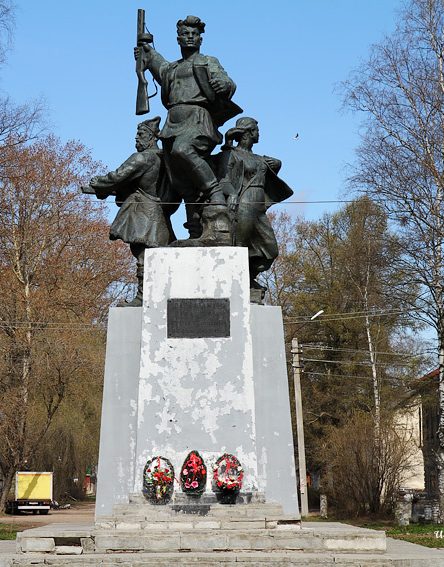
(428, 535)
(8, 531)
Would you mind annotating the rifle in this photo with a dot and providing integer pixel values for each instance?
(99, 193)
(142, 102)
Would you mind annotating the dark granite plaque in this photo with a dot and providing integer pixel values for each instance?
(198, 318)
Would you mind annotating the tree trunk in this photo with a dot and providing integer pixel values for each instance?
(440, 452)
(376, 392)
(9, 477)
(438, 289)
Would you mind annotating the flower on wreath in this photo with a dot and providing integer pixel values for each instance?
(158, 480)
(228, 473)
(193, 476)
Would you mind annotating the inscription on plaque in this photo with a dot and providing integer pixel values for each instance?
(198, 318)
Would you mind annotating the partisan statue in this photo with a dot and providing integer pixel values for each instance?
(226, 194)
(140, 221)
(252, 184)
(196, 91)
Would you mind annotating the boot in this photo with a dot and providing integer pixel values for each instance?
(216, 196)
(216, 228)
(137, 301)
(194, 228)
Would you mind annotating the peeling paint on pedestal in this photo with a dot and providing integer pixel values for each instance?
(196, 393)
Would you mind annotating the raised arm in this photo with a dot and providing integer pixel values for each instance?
(130, 170)
(152, 60)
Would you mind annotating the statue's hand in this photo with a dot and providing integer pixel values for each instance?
(273, 163)
(141, 49)
(101, 194)
(143, 44)
(219, 85)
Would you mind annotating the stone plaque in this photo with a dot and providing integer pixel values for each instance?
(198, 318)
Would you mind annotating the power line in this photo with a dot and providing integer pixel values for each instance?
(360, 351)
(320, 202)
(302, 319)
(339, 375)
(17, 322)
(346, 317)
(50, 326)
(354, 363)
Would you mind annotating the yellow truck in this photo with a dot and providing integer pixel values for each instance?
(33, 493)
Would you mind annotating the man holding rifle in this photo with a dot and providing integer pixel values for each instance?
(197, 93)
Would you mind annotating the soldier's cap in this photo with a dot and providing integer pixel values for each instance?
(193, 22)
(152, 125)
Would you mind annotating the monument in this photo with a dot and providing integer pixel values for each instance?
(196, 448)
(197, 366)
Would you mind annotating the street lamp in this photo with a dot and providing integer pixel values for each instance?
(295, 350)
(315, 315)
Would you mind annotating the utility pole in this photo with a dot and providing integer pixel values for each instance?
(297, 368)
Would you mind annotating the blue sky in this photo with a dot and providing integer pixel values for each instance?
(286, 57)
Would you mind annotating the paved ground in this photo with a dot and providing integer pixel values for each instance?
(80, 513)
(7, 546)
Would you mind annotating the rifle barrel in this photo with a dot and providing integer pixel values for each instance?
(140, 22)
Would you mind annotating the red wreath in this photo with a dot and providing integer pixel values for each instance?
(232, 475)
(158, 477)
(193, 476)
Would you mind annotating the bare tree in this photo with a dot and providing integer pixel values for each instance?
(7, 21)
(57, 269)
(345, 264)
(364, 474)
(400, 161)
(19, 123)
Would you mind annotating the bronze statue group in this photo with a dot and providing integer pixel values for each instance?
(226, 194)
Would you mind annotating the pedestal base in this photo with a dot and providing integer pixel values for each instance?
(168, 395)
(140, 528)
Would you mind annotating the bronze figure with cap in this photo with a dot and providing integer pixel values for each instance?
(136, 183)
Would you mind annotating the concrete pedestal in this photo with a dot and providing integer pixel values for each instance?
(196, 392)
(172, 386)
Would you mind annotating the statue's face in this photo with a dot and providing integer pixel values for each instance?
(188, 36)
(143, 140)
(255, 134)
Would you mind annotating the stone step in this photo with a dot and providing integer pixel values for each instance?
(228, 559)
(275, 559)
(69, 541)
(134, 523)
(206, 498)
(239, 540)
(251, 515)
(149, 511)
(167, 537)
